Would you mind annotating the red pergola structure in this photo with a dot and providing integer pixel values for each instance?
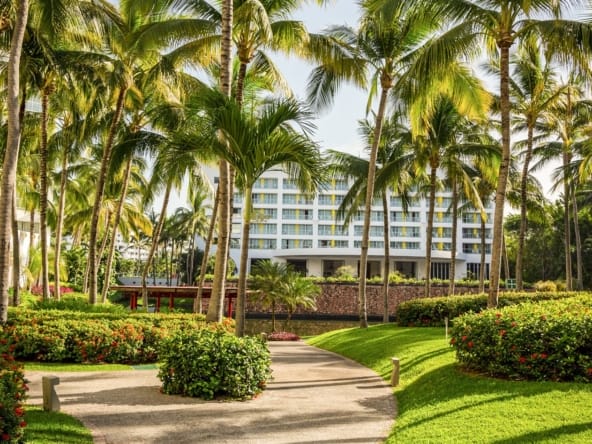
(158, 292)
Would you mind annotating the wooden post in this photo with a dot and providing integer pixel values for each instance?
(51, 402)
(396, 370)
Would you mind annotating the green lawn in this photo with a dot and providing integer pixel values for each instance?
(52, 427)
(437, 403)
(69, 367)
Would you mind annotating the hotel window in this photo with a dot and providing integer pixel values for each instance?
(474, 271)
(289, 184)
(296, 199)
(305, 230)
(475, 233)
(263, 229)
(441, 246)
(400, 216)
(330, 199)
(476, 248)
(296, 243)
(475, 218)
(265, 198)
(266, 183)
(264, 213)
(440, 270)
(405, 231)
(237, 198)
(371, 244)
(375, 230)
(333, 243)
(442, 232)
(262, 244)
(329, 215)
(443, 202)
(296, 214)
(332, 230)
(402, 245)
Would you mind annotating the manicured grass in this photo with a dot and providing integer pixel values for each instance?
(438, 403)
(61, 367)
(54, 427)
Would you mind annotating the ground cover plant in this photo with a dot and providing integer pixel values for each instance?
(207, 364)
(431, 312)
(437, 402)
(549, 340)
(13, 393)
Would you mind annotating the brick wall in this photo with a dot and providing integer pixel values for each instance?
(342, 299)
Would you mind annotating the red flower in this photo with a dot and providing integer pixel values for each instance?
(453, 341)
(464, 338)
(23, 424)
(590, 371)
(522, 359)
(18, 411)
(534, 355)
(470, 344)
(502, 332)
(5, 437)
(544, 356)
(498, 315)
(513, 324)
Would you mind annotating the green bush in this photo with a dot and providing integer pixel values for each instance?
(549, 340)
(208, 364)
(67, 336)
(545, 286)
(430, 312)
(13, 392)
(78, 302)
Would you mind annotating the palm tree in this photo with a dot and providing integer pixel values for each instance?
(484, 24)
(298, 291)
(381, 49)
(12, 151)
(393, 172)
(267, 282)
(254, 143)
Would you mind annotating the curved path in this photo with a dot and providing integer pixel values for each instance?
(315, 397)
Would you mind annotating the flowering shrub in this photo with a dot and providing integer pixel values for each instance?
(282, 336)
(13, 392)
(37, 290)
(63, 336)
(208, 364)
(430, 312)
(550, 340)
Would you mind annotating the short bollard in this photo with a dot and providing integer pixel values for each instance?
(396, 370)
(51, 402)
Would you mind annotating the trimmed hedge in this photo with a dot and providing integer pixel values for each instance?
(208, 364)
(68, 336)
(430, 312)
(550, 340)
(13, 393)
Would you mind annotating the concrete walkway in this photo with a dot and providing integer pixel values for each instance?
(315, 397)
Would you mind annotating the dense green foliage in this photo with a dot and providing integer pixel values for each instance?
(550, 340)
(69, 336)
(438, 403)
(208, 364)
(13, 392)
(431, 312)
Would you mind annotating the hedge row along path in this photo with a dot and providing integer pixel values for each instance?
(315, 396)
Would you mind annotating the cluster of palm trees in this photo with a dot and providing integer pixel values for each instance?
(159, 89)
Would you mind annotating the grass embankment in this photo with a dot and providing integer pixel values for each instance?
(70, 367)
(438, 403)
(53, 427)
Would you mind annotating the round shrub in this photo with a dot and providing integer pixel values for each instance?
(208, 364)
(545, 286)
(550, 340)
(13, 392)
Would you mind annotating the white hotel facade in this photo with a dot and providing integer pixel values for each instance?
(290, 227)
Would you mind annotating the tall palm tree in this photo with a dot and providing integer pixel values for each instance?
(373, 57)
(267, 284)
(12, 151)
(498, 26)
(254, 143)
(394, 161)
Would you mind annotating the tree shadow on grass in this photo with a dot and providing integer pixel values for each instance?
(555, 434)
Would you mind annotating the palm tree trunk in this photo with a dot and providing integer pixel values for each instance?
(204, 261)
(118, 211)
(11, 153)
(430, 228)
(31, 235)
(567, 224)
(523, 197)
(578, 240)
(16, 255)
(43, 195)
(244, 258)
(216, 306)
(505, 257)
(454, 237)
(387, 257)
(93, 258)
(155, 239)
(500, 195)
(482, 263)
(60, 224)
(362, 298)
